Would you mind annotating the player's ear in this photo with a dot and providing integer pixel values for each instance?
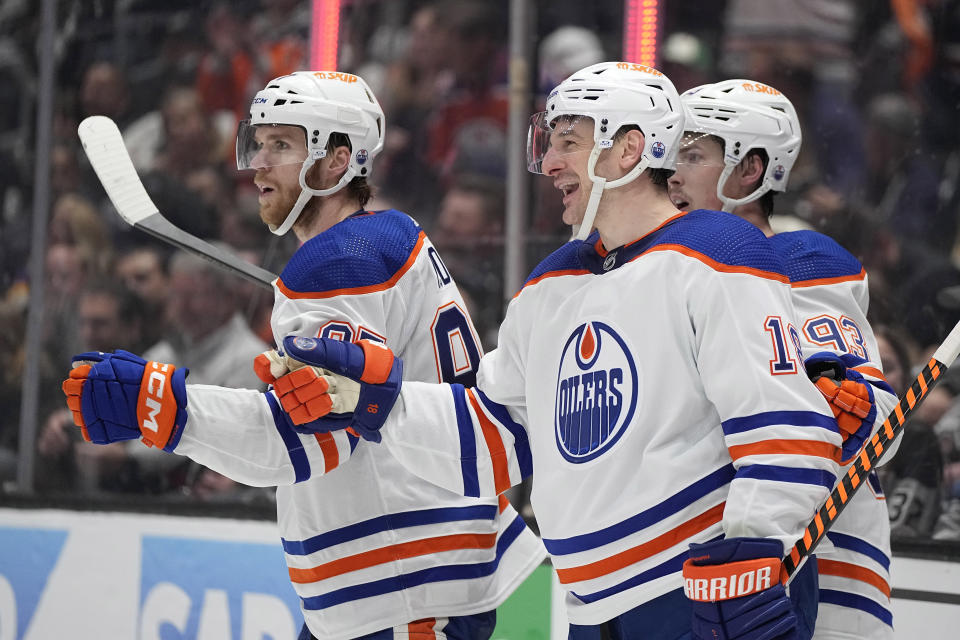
(751, 169)
(339, 159)
(631, 149)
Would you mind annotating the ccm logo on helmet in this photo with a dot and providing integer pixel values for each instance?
(153, 401)
(760, 88)
(729, 585)
(633, 66)
(335, 75)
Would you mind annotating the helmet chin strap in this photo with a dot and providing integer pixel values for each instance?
(582, 230)
(306, 192)
(729, 204)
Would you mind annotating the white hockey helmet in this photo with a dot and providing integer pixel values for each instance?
(320, 103)
(746, 115)
(612, 94)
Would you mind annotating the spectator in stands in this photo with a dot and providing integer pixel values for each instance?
(143, 270)
(75, 221)
(473, 120)
(212, 339)
(106, 313)
(912, 478)
(227, 74)
(414, 84)
(469, 232)
(104, 92)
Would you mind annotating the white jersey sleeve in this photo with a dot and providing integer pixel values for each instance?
(491, 450)
(243, 435)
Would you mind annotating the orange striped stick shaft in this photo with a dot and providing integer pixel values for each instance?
(871, 452)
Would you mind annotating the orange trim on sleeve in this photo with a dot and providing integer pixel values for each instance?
(498, 455)
(503, 503)
(855, 572)
(713, 264)
(816, 282)
(423, 627)
(643, 551)
(873, 372)
(355, 291)
(393, 552)
(788, 447)
(328, 446)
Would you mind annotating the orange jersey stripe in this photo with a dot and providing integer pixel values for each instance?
(420, 628)
(713, 264)
(503, 503)
(602, 251)
(354, 291)
(498, 455)
(790, 447)
(382, 555)
(328, 446)
(819, 281)
(552, 274)
(848, 570)
(642, 551)
(873, 372)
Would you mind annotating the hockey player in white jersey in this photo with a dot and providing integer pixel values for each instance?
(673, 454)
(741, 142)
(373, 550)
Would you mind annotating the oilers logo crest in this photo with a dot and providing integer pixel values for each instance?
(596, 392)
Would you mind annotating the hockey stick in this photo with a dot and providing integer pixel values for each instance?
(104, 147)
(871, 452)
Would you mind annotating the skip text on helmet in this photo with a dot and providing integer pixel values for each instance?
(633, 66)
(760, 88)
(335, 75)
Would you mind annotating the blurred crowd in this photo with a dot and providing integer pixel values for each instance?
(876, 84)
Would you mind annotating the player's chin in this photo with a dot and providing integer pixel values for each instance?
(270, 214)
(572, 215)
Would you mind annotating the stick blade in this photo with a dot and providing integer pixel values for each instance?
(108, 156)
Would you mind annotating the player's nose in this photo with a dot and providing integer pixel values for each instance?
(552, 162)
(259, 161)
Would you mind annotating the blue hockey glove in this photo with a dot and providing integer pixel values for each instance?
(850, 398)
(735, 589)
(359, 387)
(120, 396)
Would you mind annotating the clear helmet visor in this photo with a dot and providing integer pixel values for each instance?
(563, 135)
(270, 145)
(700, 149)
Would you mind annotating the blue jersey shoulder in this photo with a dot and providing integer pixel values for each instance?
(565, 258)
(721, 237)
(809, 255)
(363, 250)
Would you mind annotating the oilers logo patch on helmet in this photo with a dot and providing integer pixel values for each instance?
(658, 149)
(597, 387)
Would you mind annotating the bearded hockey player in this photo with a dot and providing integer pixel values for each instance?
(373, 550)
(673, 452)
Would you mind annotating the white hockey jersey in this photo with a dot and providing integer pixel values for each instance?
(831, 296)
(641, 389)
(369, 544)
